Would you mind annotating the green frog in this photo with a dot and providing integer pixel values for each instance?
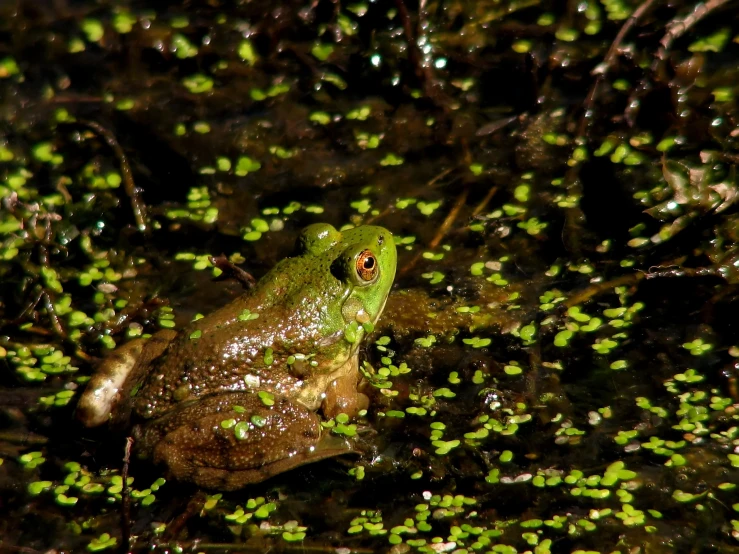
(237, 396)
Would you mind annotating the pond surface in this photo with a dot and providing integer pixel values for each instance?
(556, 367)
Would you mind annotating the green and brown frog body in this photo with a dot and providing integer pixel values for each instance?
(233, 398)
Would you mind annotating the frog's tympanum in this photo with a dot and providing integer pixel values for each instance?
(233, 398)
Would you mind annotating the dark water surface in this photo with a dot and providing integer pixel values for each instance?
(555, 370)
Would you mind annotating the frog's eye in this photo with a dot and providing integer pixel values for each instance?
(366, 266)
(356, 266)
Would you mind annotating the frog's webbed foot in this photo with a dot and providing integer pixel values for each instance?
(229, 440)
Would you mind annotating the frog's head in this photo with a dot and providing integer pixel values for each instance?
(363, 259)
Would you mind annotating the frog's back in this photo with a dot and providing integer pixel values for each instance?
(247, 344)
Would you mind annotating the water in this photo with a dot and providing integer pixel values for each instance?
(558, 354)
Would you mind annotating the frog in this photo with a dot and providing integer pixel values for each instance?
(240, 395)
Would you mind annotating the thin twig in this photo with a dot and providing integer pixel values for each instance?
(575, 215)
(54, 319)
(126, 499)
(602, 69)
(232, 271)
(62, 188)
(484, 202)
(450, 218)
(423, 69)
(478, 209)
(76, 99)
(258, 548)
(414, 54)
(672, 272)
(412, 194)
(24, 437)
(443, 230)
(134, 193)
(600, 288)
(678, 27)
(31, 306)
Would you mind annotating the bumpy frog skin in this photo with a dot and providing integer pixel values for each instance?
(232, 398)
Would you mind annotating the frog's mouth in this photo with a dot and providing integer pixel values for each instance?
(379, 312)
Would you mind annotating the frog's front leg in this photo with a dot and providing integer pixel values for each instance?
(229, 440)
(342, 396)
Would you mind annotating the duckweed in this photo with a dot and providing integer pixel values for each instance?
(103, 542)
(465, 417)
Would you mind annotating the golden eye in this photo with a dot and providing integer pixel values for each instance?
(366, 265)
